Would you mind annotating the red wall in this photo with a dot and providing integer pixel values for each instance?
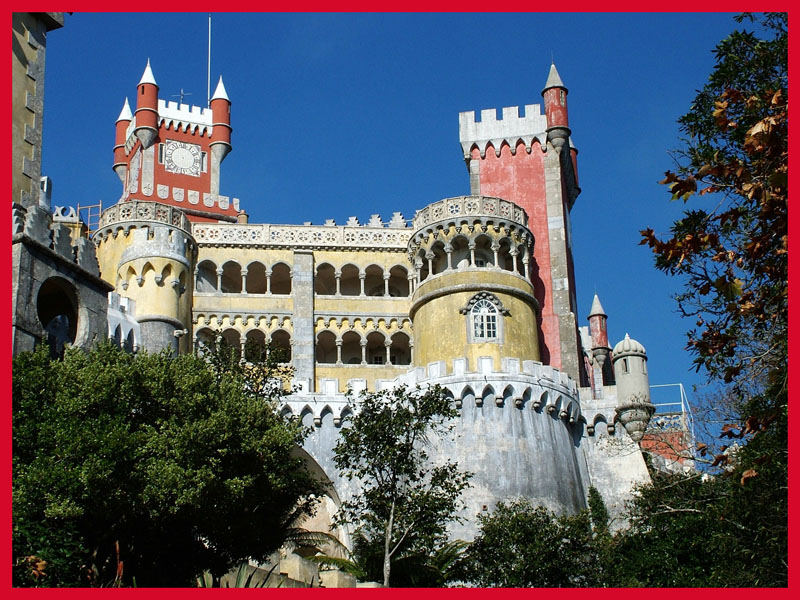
(520, 179)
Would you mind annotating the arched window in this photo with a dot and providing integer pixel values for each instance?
(484, 320)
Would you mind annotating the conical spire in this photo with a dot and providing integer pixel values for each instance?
(125, 114)
(220, 92)
(553, 79)
(147, 76)
(597, 308)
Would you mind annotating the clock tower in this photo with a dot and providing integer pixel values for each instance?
(170, 152)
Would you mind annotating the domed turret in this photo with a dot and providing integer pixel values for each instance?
(634, 409)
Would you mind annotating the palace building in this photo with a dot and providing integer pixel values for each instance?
(475, 293)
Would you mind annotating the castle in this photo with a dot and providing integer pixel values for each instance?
(475, 293)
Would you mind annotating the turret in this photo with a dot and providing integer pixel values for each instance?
(598, 330)
(517, 157)
(472, 283)
(147, 252)
(120, 159)
(633, 387)
(221, 132)
(147, 108)
(555, 108)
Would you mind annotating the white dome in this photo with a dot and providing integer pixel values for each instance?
(628, 346)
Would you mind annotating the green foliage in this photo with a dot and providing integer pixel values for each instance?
(730, 530)
(523, 545)
(182, 463)
(404, 502)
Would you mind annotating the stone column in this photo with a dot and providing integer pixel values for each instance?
(363, 352)
(219, 281)
(448, 248)
(361, 278)
(429, 256)
(513, 252)
(386, 284)
(338, 276)
(244, 281)
(472, 254)
(338, 351)
(303, 318)
(269, 283)
(495, 248)
(388, 344)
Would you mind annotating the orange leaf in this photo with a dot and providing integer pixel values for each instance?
(749, 474)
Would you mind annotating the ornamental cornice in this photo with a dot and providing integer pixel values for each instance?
(340, 237)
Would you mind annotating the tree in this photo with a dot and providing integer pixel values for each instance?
(404, 501)
(523, 545)
(146, 469)
(732, 253)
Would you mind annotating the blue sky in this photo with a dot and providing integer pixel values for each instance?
(354, 114)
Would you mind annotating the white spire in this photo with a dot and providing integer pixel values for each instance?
(125, 114)
(597, 308)
(220, 92)
(147, 76)
(553, 79)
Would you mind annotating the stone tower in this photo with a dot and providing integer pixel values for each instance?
(471, 255)
(530, 160)
(633, 387)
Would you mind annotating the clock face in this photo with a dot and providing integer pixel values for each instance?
(183, 158)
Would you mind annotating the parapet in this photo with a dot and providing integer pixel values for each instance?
(183, 116)
(510, 128)
(469, 206)
(38, 225)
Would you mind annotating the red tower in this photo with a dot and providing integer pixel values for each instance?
(530, 160)
(171, 152)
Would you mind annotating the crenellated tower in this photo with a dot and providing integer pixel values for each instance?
(530, 160)
(170, 152)
(147, 252)
(471, 257)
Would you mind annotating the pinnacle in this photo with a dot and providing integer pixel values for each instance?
(220, 92)
(597, 308)
(553, 79)
(147, 76)
(125, 114)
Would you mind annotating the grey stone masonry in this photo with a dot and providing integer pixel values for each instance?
(558, 232)
(303, 318)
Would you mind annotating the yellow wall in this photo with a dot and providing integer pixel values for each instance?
(445, 329)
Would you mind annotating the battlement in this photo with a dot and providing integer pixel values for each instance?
(184, 112)
(530, 384)
(510, 128)
(38, 224)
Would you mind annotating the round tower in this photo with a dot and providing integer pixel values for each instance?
(555, 108)
(146, 251)
(471, 256)
(633, 387)
(221, 132)
(598, 329)
(120, 160)
(146, 108)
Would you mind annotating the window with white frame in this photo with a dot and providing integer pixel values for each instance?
(484, 320)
